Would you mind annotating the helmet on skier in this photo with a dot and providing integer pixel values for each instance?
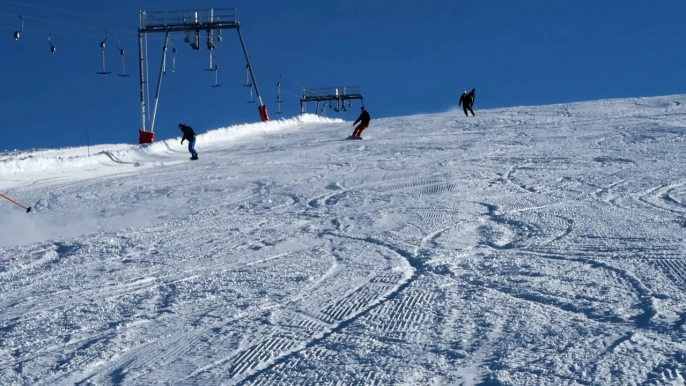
(464, 92)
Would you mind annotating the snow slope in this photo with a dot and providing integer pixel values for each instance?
(525, 246)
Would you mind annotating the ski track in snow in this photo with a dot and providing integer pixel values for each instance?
(525, 246)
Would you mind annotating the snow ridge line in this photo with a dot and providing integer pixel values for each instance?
(76, 157)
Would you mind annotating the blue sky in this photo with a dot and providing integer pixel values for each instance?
(409, 57)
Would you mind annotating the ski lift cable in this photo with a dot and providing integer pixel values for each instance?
(289, 93)
(292, 86)
(127, 2)
(125, 32)
(75, 34)
(285, 91)
(26, 4)
(44, 21)
(90, 16)
(129, 33)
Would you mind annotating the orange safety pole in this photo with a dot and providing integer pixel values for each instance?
(28, 209)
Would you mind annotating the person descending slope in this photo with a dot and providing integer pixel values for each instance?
(189, 135)
(364, 119)
(467, 101)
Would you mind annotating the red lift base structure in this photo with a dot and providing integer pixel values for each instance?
(146, 137)
(264, 115)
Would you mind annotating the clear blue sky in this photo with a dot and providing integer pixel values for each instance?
(409, 57)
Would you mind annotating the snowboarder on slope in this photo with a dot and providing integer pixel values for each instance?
(467, 101)
(364, 119)
(189, 135)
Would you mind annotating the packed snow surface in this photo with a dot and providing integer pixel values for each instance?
(524, 246)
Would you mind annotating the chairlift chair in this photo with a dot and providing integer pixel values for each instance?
(216, 76)
(18, 33)
(102, 49)
(251, 98)
(210, 40)
(52, 47)
(248, 83)
(123, 65)
(213, 67)
(278, 96)
(173, 59)
(247, 76)
(196, 43)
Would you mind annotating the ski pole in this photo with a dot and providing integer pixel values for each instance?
(28, 210)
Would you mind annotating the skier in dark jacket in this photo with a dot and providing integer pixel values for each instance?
(467, 101)
(364, 119)
(189, 135)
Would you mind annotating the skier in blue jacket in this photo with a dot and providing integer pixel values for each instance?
(189, 135)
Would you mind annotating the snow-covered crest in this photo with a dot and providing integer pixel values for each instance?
(40, 161)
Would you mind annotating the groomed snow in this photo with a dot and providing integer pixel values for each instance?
(525, 246)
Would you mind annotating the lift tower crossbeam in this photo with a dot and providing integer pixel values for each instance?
(333, 94)
(194, 21)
